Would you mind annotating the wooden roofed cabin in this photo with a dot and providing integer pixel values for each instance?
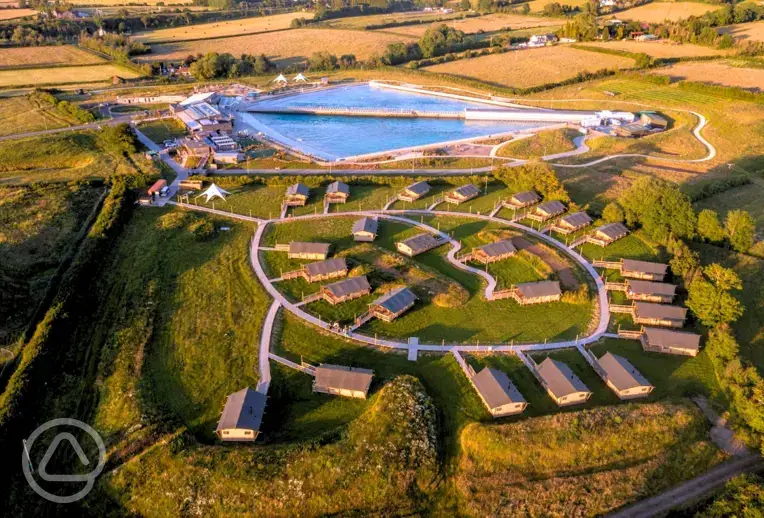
(536, 292)
(241, 416)
(346, 289)
(322, 270)
(307, 250)
(339, 380)
(337, 192)
(607, 234)
(493, 252)
(521, 200)
(649, 291)
(297, 195)
(414, 191)
(393, 304)
(572, 223)
(623, 378)
(643, 270)
(499, 394)
(655, 339)
(365, 229)
(548, 210)
(651, 314)
(462, 194)
(564, 387)
(417, 244)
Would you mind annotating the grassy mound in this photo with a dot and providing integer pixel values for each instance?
(542, 144)
(582, 463)
(380, 464)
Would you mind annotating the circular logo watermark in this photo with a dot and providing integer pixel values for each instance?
(89, 478)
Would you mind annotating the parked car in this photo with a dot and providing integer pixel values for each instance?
(165, 191)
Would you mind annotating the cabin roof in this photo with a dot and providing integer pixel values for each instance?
(559, 378)
(633, 265)
(421, 242)
(532, 290)
(621, 373)
(338, 187)
(651, 287)
(342, 377)
(526, 197)
(578, 219)
(334, 265)
(306, 247)
(498, 248)
(370, 225)
(650, 310)
(551, 207)
(467, 190)
(243, 409)
(419, 188)
(496, 388)
(348, 286)
(396, 300)
(671, 338)
(613, 230)
(298, 189)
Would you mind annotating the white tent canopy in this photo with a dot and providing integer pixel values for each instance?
(281, 79)
(214, 191)
(299, 78)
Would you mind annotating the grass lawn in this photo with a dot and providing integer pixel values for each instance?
(37, 226)
(63, 75)
(581, 463)
(544, 143)
(484, 203)
(20, 115)
(366, 197)
(746, 197)
(634, 246)
(164, 129)
(472, 319)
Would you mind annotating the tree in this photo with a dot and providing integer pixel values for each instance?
(743, 496)
(439, 40)
(118, 139)
(710, 299)
(642, 60)
(322, 61)
(536, 176)
(741, 230)
(465, 5)
(660, 207)
(684, 261)
(709, 226)
(613, 213)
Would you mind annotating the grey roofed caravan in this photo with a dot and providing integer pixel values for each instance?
(420, 242)
(613, 230)
(341, 377)
(578, 219)
(498, 248)
(243, 409)
(304, 247)
(298, 189)
(419, 188)
(370, 225)
(632, 265)
(669, 338)
(651, 288)
(559, 378)
(532, 290)
(396, 300)
(338, 186)
(496, 388)
(348, 286)
(621, 373)
(659, 311)
(337, 264)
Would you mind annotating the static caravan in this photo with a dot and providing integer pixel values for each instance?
(623, 378)
(499, 394)
(561, 384)
(668, 341)
(344, 381)
(242, 416)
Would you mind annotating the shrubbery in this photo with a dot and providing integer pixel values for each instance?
(215, 66)
(65, 107)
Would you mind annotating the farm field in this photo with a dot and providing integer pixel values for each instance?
(255, 25)
(360, 22)
(717, 73)
(538, 5)
(10, 14)
(658, 12)
(289, 48)
(487, 23)
(63, 75)
(745, 31)
(20, 115)
(523, 69)
(659, 49)
(45, 56)
(747, 197)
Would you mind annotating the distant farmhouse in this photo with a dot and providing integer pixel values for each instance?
(242, 416)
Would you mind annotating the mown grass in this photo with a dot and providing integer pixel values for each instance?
(634, 246)
(583, 463)
(163, 129)
(544, 143)
(20, 115)
(37, 226)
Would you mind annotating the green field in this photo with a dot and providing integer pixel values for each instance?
(544, 143)
(164, 129)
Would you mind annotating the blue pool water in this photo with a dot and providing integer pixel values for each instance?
(337, 136)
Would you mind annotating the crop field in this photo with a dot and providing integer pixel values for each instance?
(10, 14)
(745, 31)
(20, 115)
(747, 197)
(258, 24)
(538, 5)
(526, 68)
(63, 75)
(509, 470)
(359, 22)
(658, 12)
(659, 49)
(488, 23)
(46, 56)
(717, 73)
(290, 47)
